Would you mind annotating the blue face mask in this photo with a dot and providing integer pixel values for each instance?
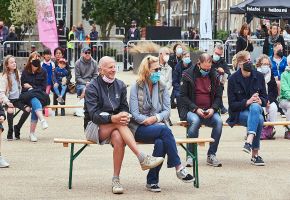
(203, 72)
(186, 60)
(179, 50)
(216, 57)
(155, 77)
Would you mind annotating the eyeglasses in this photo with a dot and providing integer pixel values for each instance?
(87, 52)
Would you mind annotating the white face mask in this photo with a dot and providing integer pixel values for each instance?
(107, 80)
(166, 58)
(264, 69)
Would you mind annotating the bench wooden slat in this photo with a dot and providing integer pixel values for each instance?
(69, 141)
(63, 106)
(278, 123)
(200, 141)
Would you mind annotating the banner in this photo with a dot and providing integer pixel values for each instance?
(205, 25)
(205, 19)
(46, 24)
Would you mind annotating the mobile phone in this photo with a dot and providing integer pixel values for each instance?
(205, 112)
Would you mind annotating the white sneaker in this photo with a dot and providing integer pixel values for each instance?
(151, 162)
(189, 162)
(33, 137)
(44, 124)
(3, 163)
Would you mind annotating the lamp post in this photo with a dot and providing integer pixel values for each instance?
(168, 12)
(215, 19)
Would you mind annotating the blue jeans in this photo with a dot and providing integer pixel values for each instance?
(193, 130)
(80, 89)
(62, 92)
(253, 119)
(36, 106)
(164, 143)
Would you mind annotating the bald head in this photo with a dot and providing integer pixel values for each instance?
(107, 67)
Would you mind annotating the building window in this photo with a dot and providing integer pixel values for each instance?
(58, 10)
(163, 10)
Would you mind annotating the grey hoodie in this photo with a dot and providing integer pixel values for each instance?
(85, 71)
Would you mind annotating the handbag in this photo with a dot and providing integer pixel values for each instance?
(26, 97)
(71, 88)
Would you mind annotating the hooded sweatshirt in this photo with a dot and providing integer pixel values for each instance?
(85, 70)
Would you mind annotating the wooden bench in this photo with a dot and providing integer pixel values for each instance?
(53, 107)
(180, 141)
(277, 123)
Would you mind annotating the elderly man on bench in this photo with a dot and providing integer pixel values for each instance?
(107, 117)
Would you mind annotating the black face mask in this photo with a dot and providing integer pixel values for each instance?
(1, 27)
(280, 53)
(248, 67)
(36, 63)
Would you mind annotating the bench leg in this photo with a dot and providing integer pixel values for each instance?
(195, 164)
(194, 157)
(71, 161)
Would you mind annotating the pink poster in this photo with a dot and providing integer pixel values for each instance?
(46, 23)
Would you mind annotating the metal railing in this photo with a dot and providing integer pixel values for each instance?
(230, 49)
(98, 49)
(139, 46)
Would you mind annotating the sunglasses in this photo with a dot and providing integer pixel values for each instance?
(87, 52)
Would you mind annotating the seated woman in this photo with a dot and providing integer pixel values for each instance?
(246, 96)
(33, 82)
(285, 96)
(177, 74)
(264, 66)
(10, 89)
(150, 108)
(3, 162)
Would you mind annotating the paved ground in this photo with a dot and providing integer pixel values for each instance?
(40, 170)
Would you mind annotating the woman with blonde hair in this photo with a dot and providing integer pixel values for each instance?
(150, 108)
(10, 89)
(33, 82)
(264, 66)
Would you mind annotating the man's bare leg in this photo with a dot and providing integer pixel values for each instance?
(118, 153)
(106, 130)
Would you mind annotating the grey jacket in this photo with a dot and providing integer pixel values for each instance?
(103, 99)
(152, 106)
(85, 71)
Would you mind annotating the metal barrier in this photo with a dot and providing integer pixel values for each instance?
(230, 49)
(140, 46)
(98, 49)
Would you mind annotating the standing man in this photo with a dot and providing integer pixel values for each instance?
(70, 44)
(80, 36)
(200, 99)
(219, 64)
(3, 32)
(85, 70)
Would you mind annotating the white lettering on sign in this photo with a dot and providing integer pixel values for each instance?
(254, 9)
(278, 10)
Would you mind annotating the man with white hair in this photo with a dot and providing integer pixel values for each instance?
(166, 70)
(107, 108)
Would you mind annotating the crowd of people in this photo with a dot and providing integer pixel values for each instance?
(255, 94)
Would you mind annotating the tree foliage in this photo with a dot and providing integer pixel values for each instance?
(23, 12)
(4, 12)
(108, 13)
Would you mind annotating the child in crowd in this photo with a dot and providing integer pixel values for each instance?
(49, 66)
(10, 89)
(3, 163)
(285, 95)
(60, 79)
